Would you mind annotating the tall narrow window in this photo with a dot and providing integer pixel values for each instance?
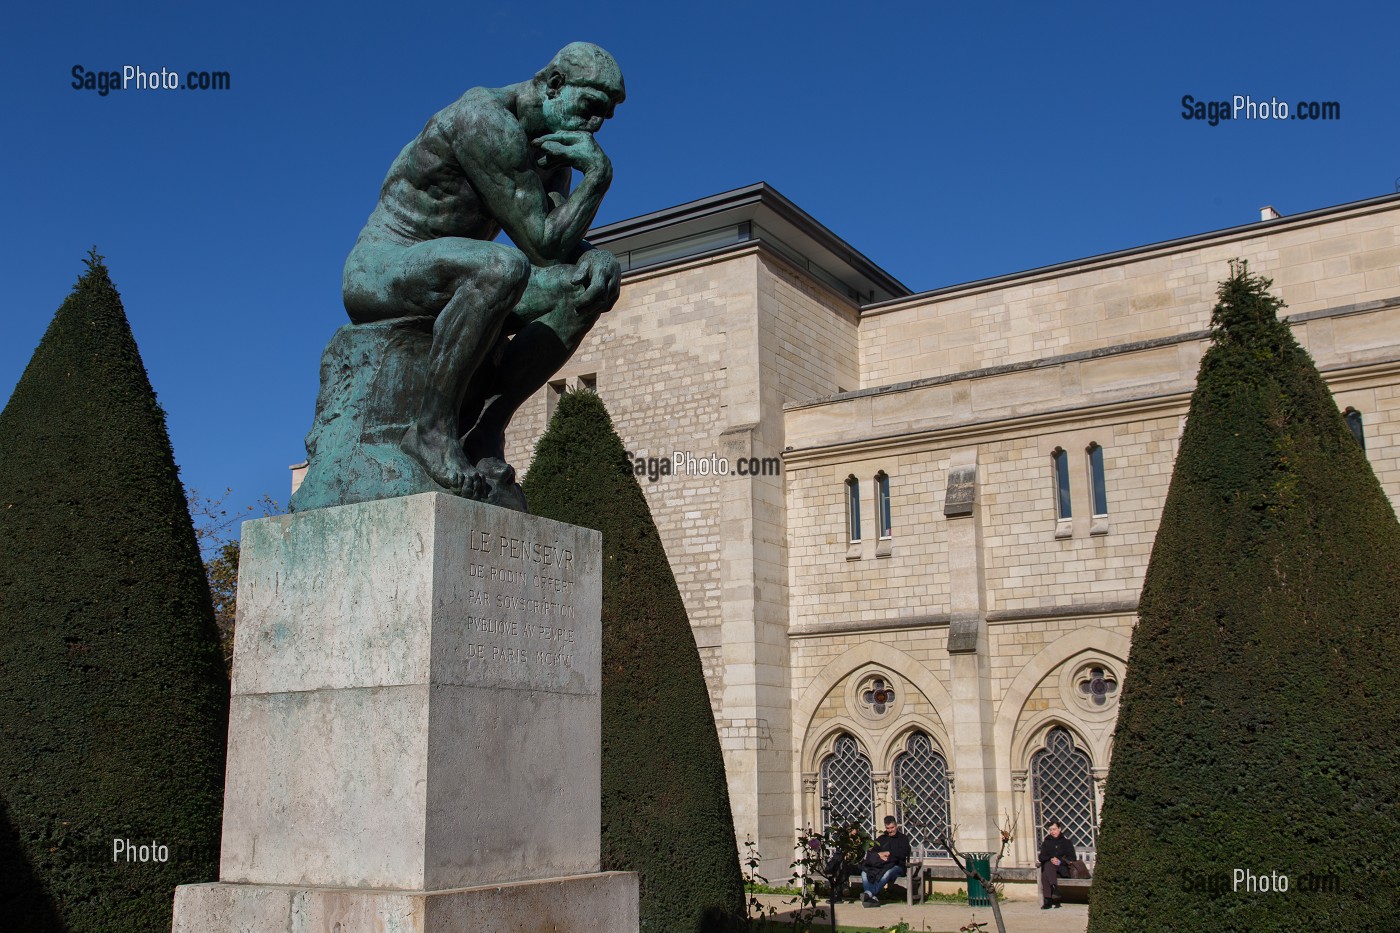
(852, 509)
(553, 393)
(1097, 489)
(882, 493)
(1354, 422)
(589, 383)
(1060, 460)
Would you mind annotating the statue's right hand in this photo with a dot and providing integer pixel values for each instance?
(574, 148)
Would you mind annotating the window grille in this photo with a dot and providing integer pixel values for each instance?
(847, 793)
(921, 795)
(1062, 789)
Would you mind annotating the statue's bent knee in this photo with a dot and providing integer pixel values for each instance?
(503, 271)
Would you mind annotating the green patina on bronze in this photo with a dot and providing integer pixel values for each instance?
(451, 332)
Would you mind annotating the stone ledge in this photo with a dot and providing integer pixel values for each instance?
(603, 902)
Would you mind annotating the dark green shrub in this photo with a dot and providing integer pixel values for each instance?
(665, 801)
(113, 699)
(1260, 713)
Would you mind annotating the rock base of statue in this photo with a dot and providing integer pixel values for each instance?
(372, 379)
(414, 731)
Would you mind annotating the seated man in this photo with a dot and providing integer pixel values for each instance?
(1056, 852)
(884, 863)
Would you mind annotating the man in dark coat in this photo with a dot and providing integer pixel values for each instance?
(884, 863)
(1056, 852)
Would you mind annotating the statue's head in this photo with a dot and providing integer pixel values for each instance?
(581, 86)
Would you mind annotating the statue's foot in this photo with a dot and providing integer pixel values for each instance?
(442, 458)
(505, 491)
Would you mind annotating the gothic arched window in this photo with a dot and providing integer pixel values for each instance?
(1062, 789)
(847, 793)
(921, 794)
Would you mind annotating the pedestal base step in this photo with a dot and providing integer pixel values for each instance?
(597, 903)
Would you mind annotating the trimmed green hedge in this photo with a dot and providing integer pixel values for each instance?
(665, 800)
(113, 699)
(1260, 715)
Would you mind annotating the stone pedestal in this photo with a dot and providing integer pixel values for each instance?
(414, 733)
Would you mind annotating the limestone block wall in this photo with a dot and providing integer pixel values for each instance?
(663, 362)
(1031, 559)
(835, 582)
(814, 347)
(1342, 257)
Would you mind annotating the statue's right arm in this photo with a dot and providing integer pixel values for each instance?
(495, 154)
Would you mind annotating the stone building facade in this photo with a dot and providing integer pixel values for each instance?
(915, 587)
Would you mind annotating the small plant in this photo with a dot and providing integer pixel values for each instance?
(1008, 834)
(760, 888)
(756, 912)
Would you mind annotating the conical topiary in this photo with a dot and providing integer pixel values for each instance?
(113, 700)
(665, 800)
(1259, 719)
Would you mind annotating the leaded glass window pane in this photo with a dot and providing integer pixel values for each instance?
(848, 796)
(921, 795)
(1062, 789)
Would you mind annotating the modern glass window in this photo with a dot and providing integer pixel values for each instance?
(922, 794)
(847, 793)
(852, 509)
(1060, 461)
(1354, 422)
(882, 493)
(1097, 488)
(1062, 789)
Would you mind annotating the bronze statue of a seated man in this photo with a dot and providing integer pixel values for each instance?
(504, 318)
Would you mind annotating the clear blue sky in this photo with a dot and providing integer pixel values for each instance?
(946, 142)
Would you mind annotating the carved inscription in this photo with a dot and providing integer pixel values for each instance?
(962, 492)
(519, 614)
